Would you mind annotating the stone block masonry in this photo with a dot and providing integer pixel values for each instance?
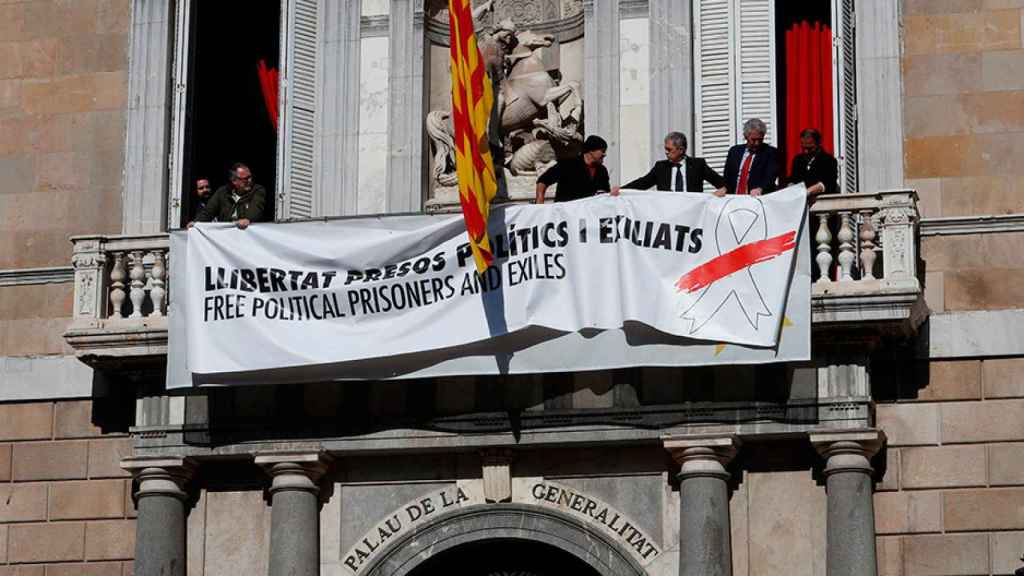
(65, 503)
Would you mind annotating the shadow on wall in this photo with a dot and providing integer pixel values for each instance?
(651, 398)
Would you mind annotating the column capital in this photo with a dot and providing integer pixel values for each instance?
(702, 455)
(160, 476)
(848, 450)
(294, 470)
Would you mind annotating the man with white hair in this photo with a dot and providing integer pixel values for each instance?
(753, 167)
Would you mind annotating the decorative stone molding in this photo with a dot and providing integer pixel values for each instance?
(30, 276)
(564, 29)
(633, 9)
(972, 225)
(373, 26)
(848, 451)
(497, 464)
(300, 471)
(160, 476)
(702, 456)
(121, 285)
(855, 289)
(483, 522)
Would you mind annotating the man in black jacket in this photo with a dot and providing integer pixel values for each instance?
(753, 167)
(241, 201)
(579, 177)
(678, 172)
(817, 169)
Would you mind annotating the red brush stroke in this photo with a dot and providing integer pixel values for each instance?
(736, 260)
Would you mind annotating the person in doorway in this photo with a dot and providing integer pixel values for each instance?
(677, 172)
(579, 177)
(240, 201)
(817, 169)
(753, 167)
(203, 194)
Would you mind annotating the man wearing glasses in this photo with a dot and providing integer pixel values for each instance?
(241, 201)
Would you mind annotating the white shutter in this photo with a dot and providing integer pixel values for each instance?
(734, 72)
(844, 75)
(180, 111)
(299, 93)
(756, 95)
(714, 73)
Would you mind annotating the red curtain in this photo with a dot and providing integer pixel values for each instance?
(268, 84)
(808, 85)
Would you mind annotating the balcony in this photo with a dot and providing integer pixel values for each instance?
(867, 284)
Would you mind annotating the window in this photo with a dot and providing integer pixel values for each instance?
(745, 63)
(245, 91)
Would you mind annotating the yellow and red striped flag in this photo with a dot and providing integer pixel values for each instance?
(471, 108)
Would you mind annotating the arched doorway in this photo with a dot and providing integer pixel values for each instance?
(484, 539)
(503, 557)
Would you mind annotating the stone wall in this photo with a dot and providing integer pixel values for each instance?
(65, 504)
(63, 100)
(963, 108)
(950, 498)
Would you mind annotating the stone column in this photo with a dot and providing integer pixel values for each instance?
(339, 134)
(161, 501)
(406, 108)
(295, 512)
(851, 514)
(601, 76)
(149, 104)
(705, 544)
(671, 72)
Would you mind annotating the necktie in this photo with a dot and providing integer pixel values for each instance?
(679, 187)
(744, 174)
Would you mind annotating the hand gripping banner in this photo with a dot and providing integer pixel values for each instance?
(643, 279)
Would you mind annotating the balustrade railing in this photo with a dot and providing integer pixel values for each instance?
(865, 252)
(119, 278)
(865, 242)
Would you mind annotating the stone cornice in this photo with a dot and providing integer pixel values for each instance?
(29, 276)
(961, 225)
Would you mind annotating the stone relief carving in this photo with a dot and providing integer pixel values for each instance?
(536, 117)
(571, 7)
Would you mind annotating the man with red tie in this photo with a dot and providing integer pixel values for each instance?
(752, 168)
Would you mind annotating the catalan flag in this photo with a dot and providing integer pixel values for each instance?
(471, 108)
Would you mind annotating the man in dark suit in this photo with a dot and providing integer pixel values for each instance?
(678, 172)
(817, 169)
(579, 177)
(752, 168)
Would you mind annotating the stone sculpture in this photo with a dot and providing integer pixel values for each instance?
(536, 117)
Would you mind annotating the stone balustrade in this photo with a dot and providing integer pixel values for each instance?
(866, 262)
(121, 293)
(851, 231)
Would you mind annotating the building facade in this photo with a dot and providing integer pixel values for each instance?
(898, 449)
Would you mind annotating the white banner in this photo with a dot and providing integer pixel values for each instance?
(600, 283)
